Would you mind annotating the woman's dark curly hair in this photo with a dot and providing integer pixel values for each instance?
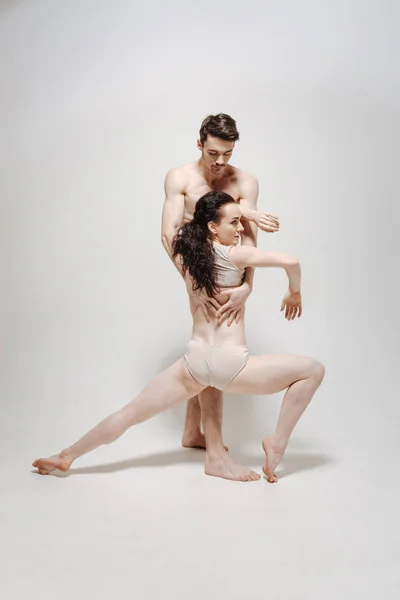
(193, 242)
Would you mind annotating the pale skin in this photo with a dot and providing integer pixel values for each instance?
(183, 187)
(267, 374)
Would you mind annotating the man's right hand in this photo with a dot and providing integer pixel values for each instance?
(199, 300)
(265, 221)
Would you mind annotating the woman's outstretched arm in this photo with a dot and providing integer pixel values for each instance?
(245, 256)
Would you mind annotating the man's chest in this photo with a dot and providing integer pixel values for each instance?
(195, 191)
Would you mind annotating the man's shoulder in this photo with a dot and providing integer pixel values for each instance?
(184, 170)
(177, 178)
(243, 178)
(181, 175)
(246, 186)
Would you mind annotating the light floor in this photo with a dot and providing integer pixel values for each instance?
(149, 525)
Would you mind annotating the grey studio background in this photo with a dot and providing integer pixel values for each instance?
(98, 100)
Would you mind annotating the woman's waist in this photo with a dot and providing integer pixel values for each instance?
(217, 334)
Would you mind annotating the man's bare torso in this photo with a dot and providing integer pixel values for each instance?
(196, 186)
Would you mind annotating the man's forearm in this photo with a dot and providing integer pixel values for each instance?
(249, 238)
(176, 261)
(167, 243)
(247, 213)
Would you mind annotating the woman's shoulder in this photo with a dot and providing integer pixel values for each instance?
(228, 254)
(240, 255)
(221, 249)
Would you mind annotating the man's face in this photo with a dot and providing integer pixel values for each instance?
(216, 153)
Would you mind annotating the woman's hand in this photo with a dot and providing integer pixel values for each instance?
(231, 310)
(292, 303)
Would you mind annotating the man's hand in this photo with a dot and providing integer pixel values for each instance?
(265, 221)
(237, 299)
(200, 300)
(292, 303)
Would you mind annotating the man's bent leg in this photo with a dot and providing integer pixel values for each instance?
(192, 435)
(211, 416)
(218, 462)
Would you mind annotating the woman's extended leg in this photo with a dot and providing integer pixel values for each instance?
(173, 386)
(270, 374)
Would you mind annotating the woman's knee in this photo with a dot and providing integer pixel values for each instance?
(318, 371)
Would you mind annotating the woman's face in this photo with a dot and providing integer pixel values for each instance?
(229, 228)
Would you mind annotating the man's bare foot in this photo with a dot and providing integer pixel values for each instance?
(272, 460)
(47, 465)
(223, 466)
(195, 440)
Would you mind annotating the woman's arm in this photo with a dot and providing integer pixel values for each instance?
(246, 256)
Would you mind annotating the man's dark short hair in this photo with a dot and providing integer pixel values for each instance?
(220, 126)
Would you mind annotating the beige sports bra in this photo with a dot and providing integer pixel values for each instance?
(227, 274)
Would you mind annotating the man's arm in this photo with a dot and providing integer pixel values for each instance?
(264, 221)
(172, 218)
(248, 190)
(173, 210)
(248, 206)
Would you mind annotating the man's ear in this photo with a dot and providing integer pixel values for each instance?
(199, 145)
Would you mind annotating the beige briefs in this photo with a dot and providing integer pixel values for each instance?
(215, 366)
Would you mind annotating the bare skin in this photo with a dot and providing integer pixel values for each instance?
(183, 187)
(272, 460)
(195, 440)
(173, 386)
(267, 374)
(60, 462)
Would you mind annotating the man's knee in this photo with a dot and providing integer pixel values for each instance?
(210, 396)
(193, 401)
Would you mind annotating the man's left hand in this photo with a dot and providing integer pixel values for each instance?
(237, 298)
(265, 221)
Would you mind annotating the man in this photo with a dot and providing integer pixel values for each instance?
(183, 187)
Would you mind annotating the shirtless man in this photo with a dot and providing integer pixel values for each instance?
(183, 187)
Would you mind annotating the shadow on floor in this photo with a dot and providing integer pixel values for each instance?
(293, 462)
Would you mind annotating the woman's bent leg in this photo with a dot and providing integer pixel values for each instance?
(173, 386)
(271, 374)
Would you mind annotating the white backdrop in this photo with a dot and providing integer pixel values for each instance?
(99, 100)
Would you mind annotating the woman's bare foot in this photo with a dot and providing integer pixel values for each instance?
(46, 465)
(223, 466)
(272, 460)
(195, 440)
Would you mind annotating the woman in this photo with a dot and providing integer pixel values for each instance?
(217, 355)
